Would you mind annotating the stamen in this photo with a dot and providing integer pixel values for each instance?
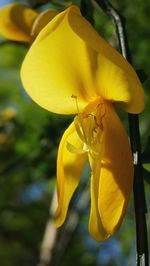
(75, 97)
(100, 124)
(80, 118)
(73, 149)
(89, 128)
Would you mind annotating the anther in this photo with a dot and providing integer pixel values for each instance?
(75, 97)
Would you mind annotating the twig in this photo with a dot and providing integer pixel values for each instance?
(55, 241)
(49, 238)
(139, 193)
(72, 221)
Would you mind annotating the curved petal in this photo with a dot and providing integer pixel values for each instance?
(96, 227)
(69, 170)
(116, 177)
(81, 68)
(42, 20)
(16, 22)
(111, 67)
(58, 65)
(111, 81)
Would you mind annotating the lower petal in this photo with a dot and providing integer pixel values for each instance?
(96, 227)
(69, 170)
(116, 177)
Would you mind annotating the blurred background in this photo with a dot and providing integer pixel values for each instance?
(29, 138)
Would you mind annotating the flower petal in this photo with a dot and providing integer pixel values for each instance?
(114, 84)
(42, 20)
(81, 68)
(16, 22)
(58, 65)
(96, 227)
(112, 68)
(116, 177)
(69, 170)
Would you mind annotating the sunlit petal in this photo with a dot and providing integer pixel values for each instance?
(16, 22)
(69, 170)
(112, 68)
(42, 20)
(115, 84)
(86, 68)
(116, 177)
(60, 64)
(96, 227)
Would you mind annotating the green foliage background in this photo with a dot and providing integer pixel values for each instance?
(28, 148)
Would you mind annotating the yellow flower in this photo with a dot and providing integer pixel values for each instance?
(70, 69)
(18, 22)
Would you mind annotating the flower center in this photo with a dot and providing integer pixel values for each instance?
(89, 128)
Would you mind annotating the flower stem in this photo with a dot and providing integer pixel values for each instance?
(138, 188)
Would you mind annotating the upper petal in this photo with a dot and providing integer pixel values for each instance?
(112, 83)
(88, 67)
(116, 177)
(42, 20)
(69, 169)
(115, 78)
(16, 22)
(58, 65)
